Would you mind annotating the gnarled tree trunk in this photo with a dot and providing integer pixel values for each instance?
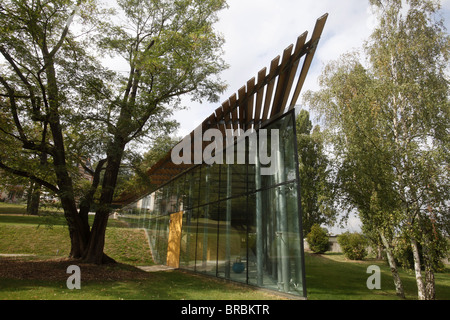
(94, 252)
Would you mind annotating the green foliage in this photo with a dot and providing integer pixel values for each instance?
(136, 180)
(316, 187)
(318, 239)
(353, 245)
(171, 49)
(387, 120)
(67, 120)
(435, 251)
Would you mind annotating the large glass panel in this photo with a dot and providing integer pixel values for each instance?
(238, 180)
(203, 187)
(210, 180)
(188, 239)
(279, 152)
(139, 212)
(206, 257)
(275, 255)
(233, 180)
(158, 201)
(233, 239)
(238, 239)
(153, 233)
(180, 184)
(223, 247)
(256, 243)
(196, 178)
(192, 185)
(185, 239)
(146, 211)
(287, 135)
(162, 238)
(165, 199)
(238, 223)
(174, 202)
(225, 175)
(295, 239)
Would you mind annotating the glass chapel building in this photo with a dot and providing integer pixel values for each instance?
(227, 219)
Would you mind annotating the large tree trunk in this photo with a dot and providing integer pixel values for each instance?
(430, 288)
(78, 229)
(94, 252)
(393, 266)
(421, 294)
(33, 198)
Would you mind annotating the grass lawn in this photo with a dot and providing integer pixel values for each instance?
(33, 235)
(48, 236)
(163, 285)
(328, 276)
(332, 276)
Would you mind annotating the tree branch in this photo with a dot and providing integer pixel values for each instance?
(61, 39)
(29, 176)
(13, 108)
(86, 201)
(22, 77)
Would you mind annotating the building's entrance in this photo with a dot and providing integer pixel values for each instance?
(173, 246)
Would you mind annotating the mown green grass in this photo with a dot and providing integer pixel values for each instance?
(332, 276)
(328, 276)
(167, 285)
(32, 235)
(22, 234)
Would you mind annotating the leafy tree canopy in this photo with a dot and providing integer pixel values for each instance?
(62, 108)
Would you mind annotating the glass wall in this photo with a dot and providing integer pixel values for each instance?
(237, 223)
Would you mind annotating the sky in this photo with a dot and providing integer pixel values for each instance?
(256, 31)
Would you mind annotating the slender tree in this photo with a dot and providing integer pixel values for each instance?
(390, 117)
(316, 188)
(409, 54)
(364, 178)
(58, 100)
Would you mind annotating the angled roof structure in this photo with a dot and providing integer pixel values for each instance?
(272, 93)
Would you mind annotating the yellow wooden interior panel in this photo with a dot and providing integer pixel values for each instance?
(173, 246)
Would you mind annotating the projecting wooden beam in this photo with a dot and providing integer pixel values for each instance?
(320, 24)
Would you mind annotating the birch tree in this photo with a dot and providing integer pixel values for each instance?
(391, 116)
(314, 171)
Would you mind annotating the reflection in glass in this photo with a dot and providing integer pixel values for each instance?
(237, 224)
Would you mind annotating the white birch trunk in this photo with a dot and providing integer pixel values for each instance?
(417, 266)
(393, 266)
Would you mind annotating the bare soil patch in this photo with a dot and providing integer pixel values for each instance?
(56, 270)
